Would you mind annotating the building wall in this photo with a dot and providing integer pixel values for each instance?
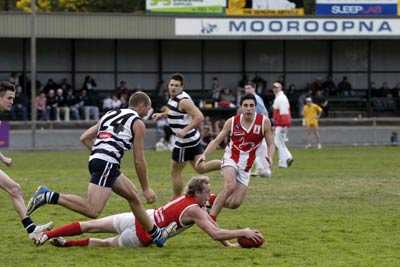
(142, 63)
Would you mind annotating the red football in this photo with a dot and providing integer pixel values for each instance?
(249, 243)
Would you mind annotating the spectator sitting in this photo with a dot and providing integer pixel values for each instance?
(124, 98)
(65, 85)
(329, 86)
(41, 107)
(62, 106)
(122, 88)
(216, 88)
(51, 104)
(206, 135)
(260, 83)
(107, 104)
(72, 103)
(91, 111)
(344, 87)
(227, 99)
(51, 85)
(19, 110)
(321, 101)
(316, 85)
(89, 83)
(14, 78)
(115, 102)
(385, 90)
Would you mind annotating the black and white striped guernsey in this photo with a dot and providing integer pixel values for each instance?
(178, 120)
(114, 135)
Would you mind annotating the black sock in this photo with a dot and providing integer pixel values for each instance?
(52, 197)
(28, 225)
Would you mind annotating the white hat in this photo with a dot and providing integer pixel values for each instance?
(308, 99)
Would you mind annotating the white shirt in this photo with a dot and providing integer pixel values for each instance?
(281, 103)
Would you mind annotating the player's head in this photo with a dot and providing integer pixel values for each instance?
(308, 100)
(250, 88)
(7, 95)
(248, 105)
(199, 186)
(140, 102)
(175, 85)
(276, 87)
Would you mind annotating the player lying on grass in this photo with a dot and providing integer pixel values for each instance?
(176, 216)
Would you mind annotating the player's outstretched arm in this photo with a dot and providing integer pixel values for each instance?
(204, 221)
(140, 162)
(197, 117)
(88, 136)
(215, 143)
(162, 114)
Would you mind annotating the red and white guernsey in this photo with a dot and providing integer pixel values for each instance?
(245, 142)
(165, 215)
(281, 110)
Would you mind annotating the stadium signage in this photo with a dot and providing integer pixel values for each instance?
(287, 27)
(357, 7)
(186, 6)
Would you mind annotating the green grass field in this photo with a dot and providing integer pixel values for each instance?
(333, 207)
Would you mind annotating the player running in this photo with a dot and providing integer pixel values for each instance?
(184, 118)
(246, 131)
(117, 131)
(177, 216)
(7, 96)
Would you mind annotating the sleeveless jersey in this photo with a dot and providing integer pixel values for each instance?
(114, 135)
(178, 120)
(244, 143)
(165, 215)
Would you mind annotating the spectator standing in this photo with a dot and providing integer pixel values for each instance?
(89, 83)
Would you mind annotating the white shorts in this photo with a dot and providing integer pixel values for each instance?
(242, 176)
(124, 225)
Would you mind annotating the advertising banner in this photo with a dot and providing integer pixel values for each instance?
(356, 7)
(186, 6)
(265, 8)
(298, 27)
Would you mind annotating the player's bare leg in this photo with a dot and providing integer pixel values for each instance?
(205, 166)
(15, 192)
(17, 199)
(308, 137)
(97, 197)
(177, 179)
(230, 183)
(125, 188)
(236, 198)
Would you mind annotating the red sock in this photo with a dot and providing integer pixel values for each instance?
(77, 243)
(66, 230)
(213, 217)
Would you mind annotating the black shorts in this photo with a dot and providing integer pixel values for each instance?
(186, 154)
(103, 173)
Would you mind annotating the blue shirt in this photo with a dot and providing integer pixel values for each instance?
(260, 107)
